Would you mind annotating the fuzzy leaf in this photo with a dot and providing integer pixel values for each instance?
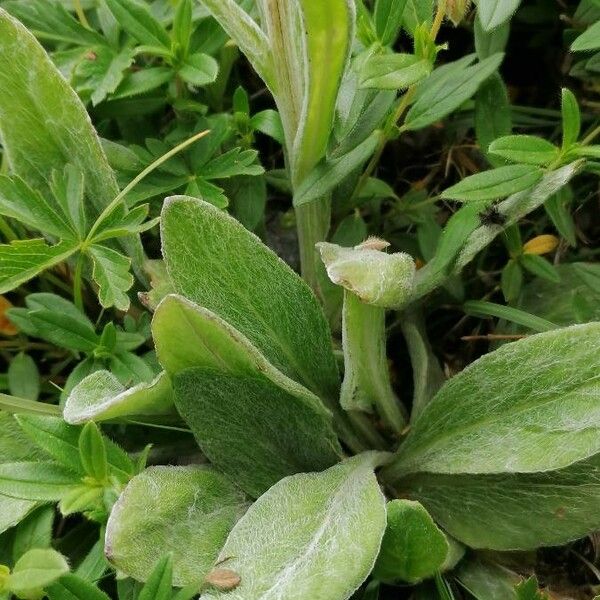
(36, 569)
(394, 71)
(214, 261)
(102, 397)
(536, 411)
(13, 511)
(187, 511)
(526, 149)
(43, 481)
(312, 535)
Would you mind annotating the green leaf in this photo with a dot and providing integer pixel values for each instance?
(186, 511)
(588, 151)
(159, 584)
(490, 42)
(246, 34)
(68, 188)
(72, 587)
(24, 377)
(199, 69)
(512, 281)
(43, 481)
(63, 328)
(13, 511)
(135, 18)
(254, 431)
(486, 580)
(102, 397)
(251, 288)
(388, 19)
(111, 273)
(329, 173)
(416, 13)
(312, 535)
(19, 201)
(532, 415)
(528, 590)
(497, 183)
(50, 21)
(329, 31)
(37, 569)
(232, 163)
(514, 315)
(394, 71)
(526, 149)
(539, 266)
(35, 531)
(61, 442)
(519, 511)
(92, 452)
(22, 260)
(493, 13)
(440, 96)
(413, 547)
(571, 118)
(588, 40)
(557, 207)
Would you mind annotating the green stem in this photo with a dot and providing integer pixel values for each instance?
(78, 282)
(14, 405)
(312, 222)
(367, 379)
(591, 136)
(81, 14)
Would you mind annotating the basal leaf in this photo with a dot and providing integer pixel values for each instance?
(536, 411)
(496, 183)
(214, 261)
(519, 511)
(312, 535)
(413, 547)
(22, 260)
(253, 430)
(186, 511)
(102, 397)
(111, 273)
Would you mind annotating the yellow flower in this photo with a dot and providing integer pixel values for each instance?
(542, 244)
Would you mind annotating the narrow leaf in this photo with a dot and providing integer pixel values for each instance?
(526, 149)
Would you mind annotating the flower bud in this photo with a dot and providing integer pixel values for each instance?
(542, 244)
(456, 10)
(377, 278)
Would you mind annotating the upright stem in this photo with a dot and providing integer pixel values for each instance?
(312, 222)
(77, 282)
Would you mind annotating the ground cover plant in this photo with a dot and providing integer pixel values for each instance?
(299, 299)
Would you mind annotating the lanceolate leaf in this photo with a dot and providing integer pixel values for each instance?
(43, 481)
(72, 587)
(22, 260)
(524, 149)
(535, 411)
(312, 535)
(493, 13)
(394, 71)
(589, 40)
(187, 511)
(214, 261)
(101, 397)
(513, 511)
(253, 430)
(497, 183)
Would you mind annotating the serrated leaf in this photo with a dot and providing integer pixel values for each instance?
(111, 273)
(493, 13)
(442, 95)
(22, 260)
(534, 413)
(232, 163)
(526, 149)
(199, 69)
(312, 535)
(187, 511)
(102, 397)
(413, 547)
(493, 184)
(251, 288)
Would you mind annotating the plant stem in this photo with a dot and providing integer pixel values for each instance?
(591, 136)
(81, 14)
(14, 405)
(78, 282)
(312, 222)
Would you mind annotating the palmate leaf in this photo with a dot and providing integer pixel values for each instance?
(187, 511)
(313, 535)
(111, 273)
(22, 260)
